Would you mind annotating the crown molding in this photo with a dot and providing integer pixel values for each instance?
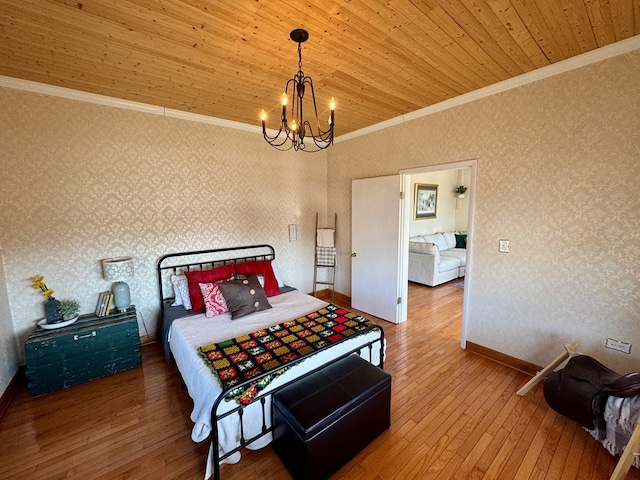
(71, 94)
(593, 56)
(220, 122)
(618, 48)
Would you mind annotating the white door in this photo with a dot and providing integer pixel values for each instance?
(375, 247)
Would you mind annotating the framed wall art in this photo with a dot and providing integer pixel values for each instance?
(425, 201)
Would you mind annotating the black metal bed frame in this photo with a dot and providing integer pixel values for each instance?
(207, 259)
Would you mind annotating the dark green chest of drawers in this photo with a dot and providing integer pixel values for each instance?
(92, 347)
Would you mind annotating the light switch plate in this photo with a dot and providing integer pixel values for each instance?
(503, 246)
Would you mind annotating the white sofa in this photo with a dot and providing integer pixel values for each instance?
(435, 259)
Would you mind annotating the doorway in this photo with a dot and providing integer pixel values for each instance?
(449, 176)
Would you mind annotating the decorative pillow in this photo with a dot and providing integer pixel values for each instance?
(181, 291)
(417, 239)
(205, 276)
(263, 267)
(242, 277)
(438, 239)
(461, 240)
(214, 302)
(450, 238)
(430, 248)
(244, 296)
(276, 273)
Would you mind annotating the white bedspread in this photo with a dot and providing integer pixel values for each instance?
(189, 333)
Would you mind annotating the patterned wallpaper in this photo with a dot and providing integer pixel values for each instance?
(84, 182)
(556, 176)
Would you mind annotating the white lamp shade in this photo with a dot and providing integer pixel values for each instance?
(117, 268)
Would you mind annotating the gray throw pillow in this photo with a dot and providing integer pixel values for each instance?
(244, 296)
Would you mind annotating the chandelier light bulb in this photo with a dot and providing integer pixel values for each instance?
(294, 126)
(284, 99)
(332, 106)
(263, 115)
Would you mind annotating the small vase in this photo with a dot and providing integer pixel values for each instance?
(52, 310)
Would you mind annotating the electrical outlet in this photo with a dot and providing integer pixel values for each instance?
(618, 345)
(503, 246)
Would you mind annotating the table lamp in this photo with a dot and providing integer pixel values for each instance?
(115, 270)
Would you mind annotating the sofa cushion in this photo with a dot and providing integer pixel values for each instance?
(459, 253)
(418, 247)
(438, 239)
(417, 239)
(450, 238)
(448, 263)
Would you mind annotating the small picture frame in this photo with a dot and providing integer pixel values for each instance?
(425, 202)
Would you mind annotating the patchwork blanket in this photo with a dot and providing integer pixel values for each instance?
(269, 350)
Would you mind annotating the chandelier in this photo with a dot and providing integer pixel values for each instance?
(295, 133)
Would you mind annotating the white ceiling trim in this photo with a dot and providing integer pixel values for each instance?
(195, 117)
(599, 54)
(55, 91)
(593, 56)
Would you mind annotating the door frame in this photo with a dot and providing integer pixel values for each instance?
(404, 232)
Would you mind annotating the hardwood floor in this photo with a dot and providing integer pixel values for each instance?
(455, 415)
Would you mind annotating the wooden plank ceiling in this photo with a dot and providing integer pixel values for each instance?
(231, 58)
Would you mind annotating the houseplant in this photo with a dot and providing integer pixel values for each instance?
(69, 309)
(460, 190)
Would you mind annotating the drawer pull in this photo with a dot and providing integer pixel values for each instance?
(78, 337)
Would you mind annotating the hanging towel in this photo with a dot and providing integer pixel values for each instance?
(325, 256)
(325, 237)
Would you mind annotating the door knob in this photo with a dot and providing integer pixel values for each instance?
(354, 254)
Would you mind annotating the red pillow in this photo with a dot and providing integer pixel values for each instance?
(205, 276)
(263, 267)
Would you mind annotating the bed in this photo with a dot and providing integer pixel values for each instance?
(234, 423)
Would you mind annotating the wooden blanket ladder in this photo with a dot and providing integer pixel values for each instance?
(324, 272)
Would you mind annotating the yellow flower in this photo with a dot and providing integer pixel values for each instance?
(38, 283)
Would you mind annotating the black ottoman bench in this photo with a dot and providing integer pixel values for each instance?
(323, 420)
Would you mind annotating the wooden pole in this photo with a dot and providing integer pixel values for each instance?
(542, 374)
